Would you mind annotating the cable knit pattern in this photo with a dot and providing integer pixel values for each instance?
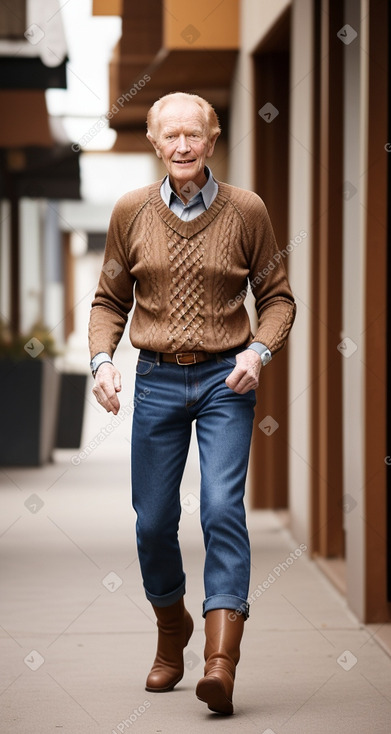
(189, 279)
(223, 257)
(185, 319)
(152, 276)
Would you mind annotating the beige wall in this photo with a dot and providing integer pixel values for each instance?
(256, 21)
(300, 216)
(257, 18)
(356, 78)
(241, 139)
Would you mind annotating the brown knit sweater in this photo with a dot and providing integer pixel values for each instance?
(189, 279)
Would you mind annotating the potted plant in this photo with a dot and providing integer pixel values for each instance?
(29, 392)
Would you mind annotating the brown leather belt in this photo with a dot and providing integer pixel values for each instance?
(185, 358)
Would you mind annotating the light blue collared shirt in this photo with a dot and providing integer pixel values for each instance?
(198, 203)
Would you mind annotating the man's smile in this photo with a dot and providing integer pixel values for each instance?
(185, 162)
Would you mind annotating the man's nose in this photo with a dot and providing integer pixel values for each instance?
(183, 144)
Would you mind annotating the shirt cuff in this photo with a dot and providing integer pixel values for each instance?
(99, 359)
(262, 350)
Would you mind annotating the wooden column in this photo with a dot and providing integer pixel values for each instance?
(269, 456)
(327, 453)
(377, 550)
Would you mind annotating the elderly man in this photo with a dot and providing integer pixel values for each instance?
(185, 249)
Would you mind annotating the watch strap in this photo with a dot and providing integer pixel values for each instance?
(99, 359)
(262, 350)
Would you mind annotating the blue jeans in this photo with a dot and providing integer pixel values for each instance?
(173, 396)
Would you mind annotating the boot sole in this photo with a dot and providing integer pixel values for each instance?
(211, 691)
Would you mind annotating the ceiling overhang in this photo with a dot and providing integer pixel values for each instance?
(40, 172)
(24, 119)
(168, 47)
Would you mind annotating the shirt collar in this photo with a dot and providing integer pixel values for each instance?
(208, 191)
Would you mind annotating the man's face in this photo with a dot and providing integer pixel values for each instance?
(182, 142)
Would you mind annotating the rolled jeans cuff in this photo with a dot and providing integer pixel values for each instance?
(166, 600)
(227, 601)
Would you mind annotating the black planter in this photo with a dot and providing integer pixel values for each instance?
(71, 410)
(29, 392)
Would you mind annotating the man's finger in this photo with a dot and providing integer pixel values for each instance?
(244, 386)
(117, 382)
(241, 381)
(235, 376)
(113, 402)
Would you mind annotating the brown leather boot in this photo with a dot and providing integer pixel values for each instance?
(223, 631)
(175, 627)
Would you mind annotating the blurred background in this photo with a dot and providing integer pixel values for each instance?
(302, 91)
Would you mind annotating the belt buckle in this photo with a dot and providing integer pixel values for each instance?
(185, 354)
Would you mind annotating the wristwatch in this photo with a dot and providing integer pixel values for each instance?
(263, 351)
(99, 359)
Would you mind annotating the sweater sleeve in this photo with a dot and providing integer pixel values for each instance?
(274, 300)
(114, 295)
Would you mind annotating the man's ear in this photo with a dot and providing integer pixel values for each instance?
(212, 143)
(154, 143)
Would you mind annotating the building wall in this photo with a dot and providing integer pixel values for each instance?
(300, 216)
(5, 235)
(355, 156)
(31, 266)
(256, 21)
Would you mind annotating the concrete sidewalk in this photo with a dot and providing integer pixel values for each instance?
(78, 637)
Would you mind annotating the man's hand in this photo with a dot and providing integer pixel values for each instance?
(107, 384)
(245, 376)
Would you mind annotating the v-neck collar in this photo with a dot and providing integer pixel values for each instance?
(191, 228)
